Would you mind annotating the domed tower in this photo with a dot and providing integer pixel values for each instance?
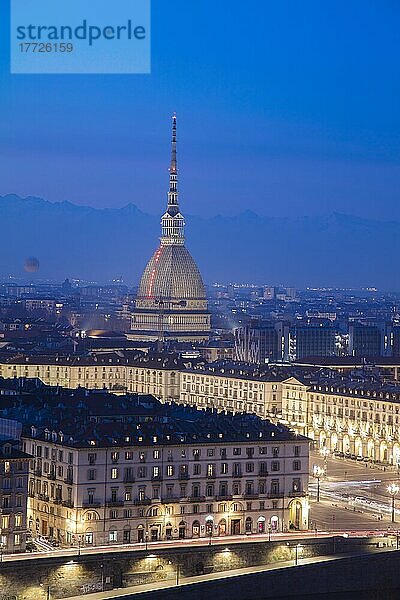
(171, 303)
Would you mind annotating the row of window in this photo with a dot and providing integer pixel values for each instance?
(224, 382)
(183, 470)
(127, 513)
(196, 453)
(52, 454)
(9, 467)
(196, 490)
(7, 482)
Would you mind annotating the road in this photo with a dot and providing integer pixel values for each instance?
(353, 496)
(152, 546)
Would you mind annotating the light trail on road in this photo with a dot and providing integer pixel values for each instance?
(73, 553)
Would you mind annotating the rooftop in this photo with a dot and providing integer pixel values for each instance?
(83, 418)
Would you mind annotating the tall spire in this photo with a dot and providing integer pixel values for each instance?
(173, 166)
(172, 221)
(173, 208)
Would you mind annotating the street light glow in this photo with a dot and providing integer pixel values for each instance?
(393, 489)
(318, 471)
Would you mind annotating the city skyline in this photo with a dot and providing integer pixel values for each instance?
(334, 251)
(199, 301)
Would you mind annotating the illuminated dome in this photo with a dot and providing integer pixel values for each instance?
(171, 274)
(171, 302)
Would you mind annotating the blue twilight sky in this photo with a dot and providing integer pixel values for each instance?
(284, 107)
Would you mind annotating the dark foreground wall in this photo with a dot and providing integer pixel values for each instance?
(30, 579)
(366, 577)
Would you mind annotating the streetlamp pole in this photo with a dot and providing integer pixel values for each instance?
(325, 453)
(393, 490)
(318, 473)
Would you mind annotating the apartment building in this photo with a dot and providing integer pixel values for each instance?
(354, 411)
(358, 417)
(14, 468)
(116, 371)
(123, 469)
(232, 388)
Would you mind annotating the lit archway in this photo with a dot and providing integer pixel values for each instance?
(249, 525)
(396, 454)
(274, 523)
(371, 449)
(358, 447)
(196, 529)
(222, 527)
(383, 452)
(295, 514)
(261, 524)
(346, 444)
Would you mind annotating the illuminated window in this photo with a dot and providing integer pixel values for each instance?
(5, 521)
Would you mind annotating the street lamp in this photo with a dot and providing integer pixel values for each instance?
(269, 531)
(318, 472)
(325, 453)
(146, 538)
(298, 549)
(79, 544)
(393, 490)
(46, 590)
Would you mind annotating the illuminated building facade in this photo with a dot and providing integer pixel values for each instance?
(14, 469)
(183, 473)
(359, 419)
(355, 415)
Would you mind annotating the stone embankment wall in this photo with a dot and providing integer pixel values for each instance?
(31, 579)
(363, 577)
